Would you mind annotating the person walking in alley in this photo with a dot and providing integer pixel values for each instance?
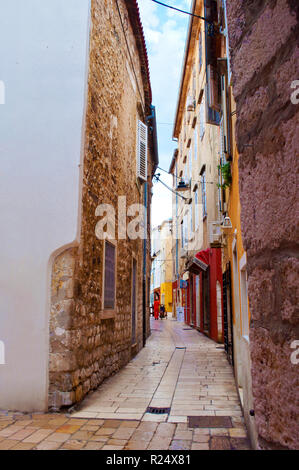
(156, 309)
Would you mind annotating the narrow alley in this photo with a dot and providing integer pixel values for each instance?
(178, 393)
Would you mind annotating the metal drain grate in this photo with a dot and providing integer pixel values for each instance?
(157, 411)
(180, 347)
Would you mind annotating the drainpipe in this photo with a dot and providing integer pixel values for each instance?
(144, 267)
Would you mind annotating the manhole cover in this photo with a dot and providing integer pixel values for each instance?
(158, 411)
(209, 422)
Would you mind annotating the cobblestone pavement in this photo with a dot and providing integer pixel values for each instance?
(179, 369)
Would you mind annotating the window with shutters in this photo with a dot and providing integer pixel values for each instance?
(142, 151)
(203, 191)
(196, 209)
(109, 275)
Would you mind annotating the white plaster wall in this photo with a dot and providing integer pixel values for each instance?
(43, 59)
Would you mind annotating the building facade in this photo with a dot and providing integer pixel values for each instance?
(161, 276)
(197, 210)
(75, 302)
(264, 62)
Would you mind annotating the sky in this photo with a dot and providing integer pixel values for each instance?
(165, 33)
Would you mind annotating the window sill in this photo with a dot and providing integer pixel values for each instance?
(107, 314)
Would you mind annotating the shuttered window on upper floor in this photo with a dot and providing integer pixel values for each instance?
(142, 150)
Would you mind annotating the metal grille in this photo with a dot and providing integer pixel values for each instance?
(158, 411)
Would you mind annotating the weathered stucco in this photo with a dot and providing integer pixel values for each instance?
(264, 55)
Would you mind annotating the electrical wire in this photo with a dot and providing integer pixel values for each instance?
(193, 181)
(182, 11)
(170, 189)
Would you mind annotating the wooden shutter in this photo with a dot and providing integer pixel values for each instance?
(109, 285)
(142, 151)
(213, 95)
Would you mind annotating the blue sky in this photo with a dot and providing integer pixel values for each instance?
(165, 34)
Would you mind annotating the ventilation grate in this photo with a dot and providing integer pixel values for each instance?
(158, 411)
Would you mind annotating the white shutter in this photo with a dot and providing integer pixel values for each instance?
(142, 151)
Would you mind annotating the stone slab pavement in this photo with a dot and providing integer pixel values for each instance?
(179, 369)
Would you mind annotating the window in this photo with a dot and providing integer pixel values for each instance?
(109, 276)
(203, 192)
(196, 209)
(141, 151)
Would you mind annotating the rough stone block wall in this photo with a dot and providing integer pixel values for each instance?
(84, 347)
(264, 52)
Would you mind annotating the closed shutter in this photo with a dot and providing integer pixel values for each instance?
(142, 151)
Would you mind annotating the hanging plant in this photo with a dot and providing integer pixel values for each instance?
(226, 175)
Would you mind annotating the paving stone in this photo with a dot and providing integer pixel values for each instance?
(94, 445)
(220, 443)
(68, 428)
(7, 444)
(144, 426)
(109, 447)
(129, 424)
(47, 445)
(237, 432)
(117, 442)
(105, 431)
(142, 435)
(23, 446)
(240, 443)
(199, 446)
(73, 444)
(136, 445)
(59, 437)
(38, 436)
(180, 445)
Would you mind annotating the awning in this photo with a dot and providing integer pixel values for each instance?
(200, 261)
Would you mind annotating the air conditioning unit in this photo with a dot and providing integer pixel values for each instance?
(215, 233)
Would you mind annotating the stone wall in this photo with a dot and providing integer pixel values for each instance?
(85, 346)
(264, 54)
